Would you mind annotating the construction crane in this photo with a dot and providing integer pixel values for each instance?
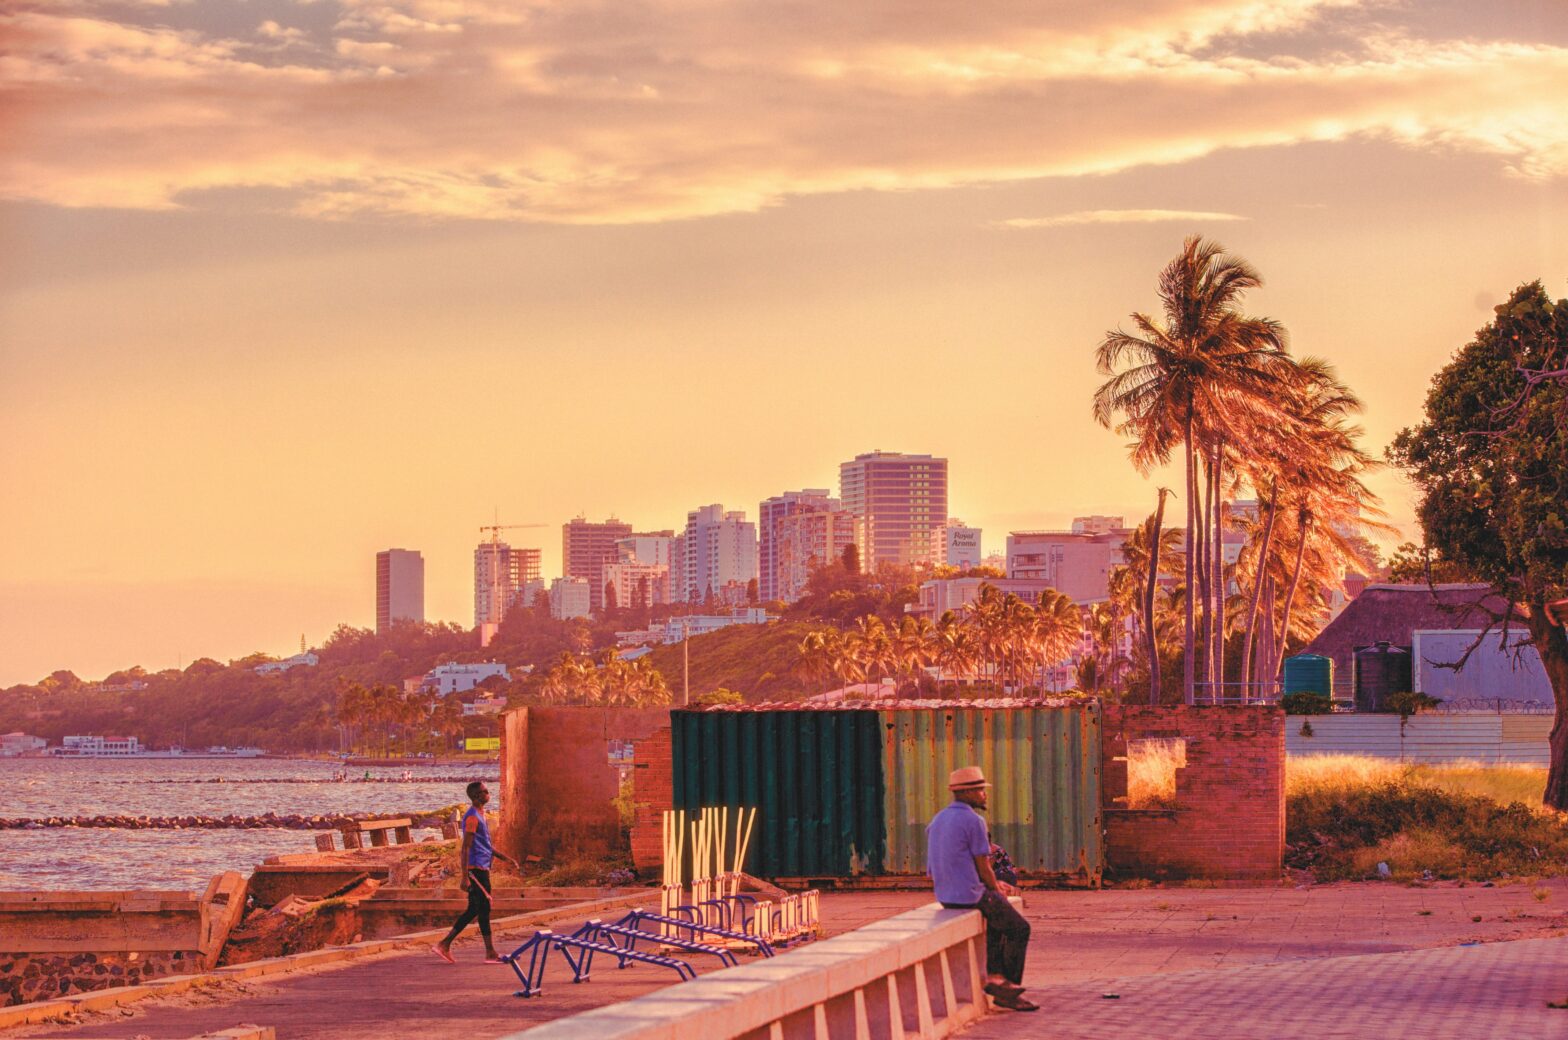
(497, 596)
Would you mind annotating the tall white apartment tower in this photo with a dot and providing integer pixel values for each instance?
(717, 550)
(400, 587)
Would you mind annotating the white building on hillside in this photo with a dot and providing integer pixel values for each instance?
(305, 660)
(455, 678)
(678, 628)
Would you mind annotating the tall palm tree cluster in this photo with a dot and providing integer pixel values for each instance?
(1220, 387)
(612, 682)
(999, 638)
(388, 719)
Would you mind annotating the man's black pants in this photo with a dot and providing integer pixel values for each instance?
(1006, 935)
(478, 905)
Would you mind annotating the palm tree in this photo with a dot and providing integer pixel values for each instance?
(955, 650)
(1055, 628)
(913, 646)
(1200, 380)
(815, 659)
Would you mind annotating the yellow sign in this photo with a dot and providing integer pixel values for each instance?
(483, 744)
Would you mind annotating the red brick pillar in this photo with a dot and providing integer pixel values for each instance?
(653, 792)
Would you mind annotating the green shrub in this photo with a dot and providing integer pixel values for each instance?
(1306, 702)
(1343, 832)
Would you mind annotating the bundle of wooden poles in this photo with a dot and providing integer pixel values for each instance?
(717, 856)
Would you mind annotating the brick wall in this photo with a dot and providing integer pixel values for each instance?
(558, 786)
(653, 792)
(1229, 817)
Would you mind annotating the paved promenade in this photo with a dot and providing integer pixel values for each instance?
(413, 994)
(1367, 960)
(1351, 961)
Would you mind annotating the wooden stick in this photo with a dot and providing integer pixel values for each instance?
(745, 841)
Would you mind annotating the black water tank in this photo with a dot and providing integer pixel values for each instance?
(1380, 670)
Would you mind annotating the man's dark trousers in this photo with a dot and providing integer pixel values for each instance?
(1006, 935)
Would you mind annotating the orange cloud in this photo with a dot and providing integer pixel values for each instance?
(595, 113)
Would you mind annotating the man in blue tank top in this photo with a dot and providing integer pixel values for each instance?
(475, 854)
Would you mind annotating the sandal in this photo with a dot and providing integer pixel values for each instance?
(1000, 990)
(1016, 1002)
(443, 954)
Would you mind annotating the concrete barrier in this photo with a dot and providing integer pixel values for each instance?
(916, 975)
(1427, 737)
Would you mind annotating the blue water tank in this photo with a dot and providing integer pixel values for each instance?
(1309, 673)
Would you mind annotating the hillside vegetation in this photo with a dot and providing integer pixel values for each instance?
(760, 662)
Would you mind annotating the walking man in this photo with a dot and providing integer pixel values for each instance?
(475, 855)
(958, 849)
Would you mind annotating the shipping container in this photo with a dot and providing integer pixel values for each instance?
(842, 793)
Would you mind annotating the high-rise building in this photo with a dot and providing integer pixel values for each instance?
(805, 539)
(899, 503)
(500, 575)
(400, 587)
(585, 548)
(569, 598)
(769, 513)
(651, 547)
(717, 550)
(1098, 524)
(960, 545)
(634, 585)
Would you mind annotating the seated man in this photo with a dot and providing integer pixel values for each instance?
(958, 850)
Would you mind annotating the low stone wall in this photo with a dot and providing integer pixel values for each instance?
(26, 977)
(57, 943)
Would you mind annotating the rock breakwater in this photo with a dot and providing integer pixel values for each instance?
(232, 821)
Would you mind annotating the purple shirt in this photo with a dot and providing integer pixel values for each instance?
(955, 836)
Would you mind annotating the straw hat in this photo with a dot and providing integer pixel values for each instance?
(967, 779)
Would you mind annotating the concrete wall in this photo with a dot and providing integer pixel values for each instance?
(558, 787)
(1229, 818)
(1479, 737)
(56, 943)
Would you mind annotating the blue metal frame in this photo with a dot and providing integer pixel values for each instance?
(632, 920)
(543, 941)
(607, 933)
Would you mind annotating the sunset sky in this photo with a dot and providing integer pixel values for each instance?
(285, 282)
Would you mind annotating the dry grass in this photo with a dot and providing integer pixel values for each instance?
(1346, 814)
(1151, 772)
(1504, 784)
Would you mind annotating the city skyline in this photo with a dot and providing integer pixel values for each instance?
(289, 283)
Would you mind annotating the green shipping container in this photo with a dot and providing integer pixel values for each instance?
(842, 793)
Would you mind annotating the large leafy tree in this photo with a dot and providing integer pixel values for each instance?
(1491, 462)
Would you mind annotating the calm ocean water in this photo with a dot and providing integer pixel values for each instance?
(116, 858)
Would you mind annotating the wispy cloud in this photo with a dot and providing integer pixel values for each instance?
(602, 112)
(1116, 216)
